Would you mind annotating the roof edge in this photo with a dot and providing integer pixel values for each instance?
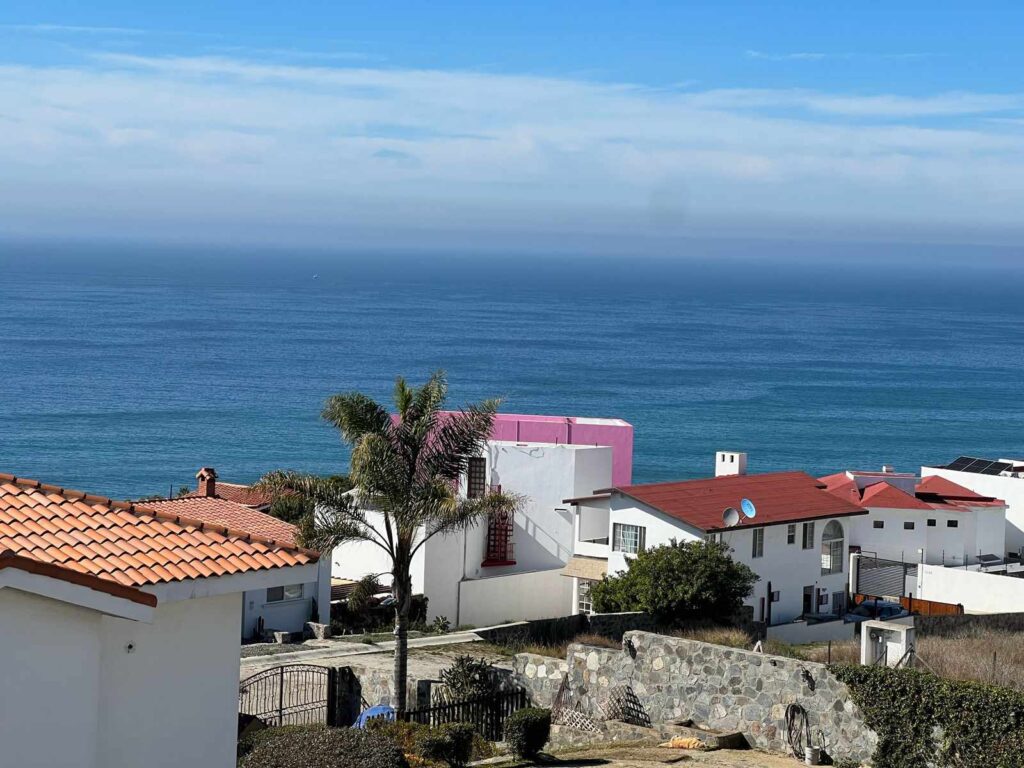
(135, 509)
(8, 559)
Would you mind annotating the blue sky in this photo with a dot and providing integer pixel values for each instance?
(530, 124)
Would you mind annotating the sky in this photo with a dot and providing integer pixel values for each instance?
(536, 125)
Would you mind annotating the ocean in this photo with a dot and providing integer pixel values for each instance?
(126, 369)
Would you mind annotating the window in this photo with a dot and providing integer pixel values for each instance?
(878, 523)
(758, 545)
(931, 522)
(952, 523)
(584, 603)
(808, 542)
(476, 478)
(908, 525)
(628, 538)
(712, 538)
(280, 594)
(832, 549)
(791, 533)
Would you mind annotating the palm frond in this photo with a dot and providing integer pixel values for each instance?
(355, 415)
(458, 438)
(468, 512)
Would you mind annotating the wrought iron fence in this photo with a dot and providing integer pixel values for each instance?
(487, 713)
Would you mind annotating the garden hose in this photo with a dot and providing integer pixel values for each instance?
(798, 729)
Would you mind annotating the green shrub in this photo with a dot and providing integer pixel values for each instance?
(527, 730)
(979, 725)
(451, 743)
(405, 735)
(469, 678)
(317, 746)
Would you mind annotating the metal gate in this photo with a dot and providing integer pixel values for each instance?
(293, 694)
(883, 578)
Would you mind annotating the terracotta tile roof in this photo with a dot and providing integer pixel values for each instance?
(230, 514)
(10, 560)
(930, 493)
(780, 497)
(131, 544)
(238, 493)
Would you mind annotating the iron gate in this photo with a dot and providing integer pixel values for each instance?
(293, 694)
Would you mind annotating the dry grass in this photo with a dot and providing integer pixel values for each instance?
(985, 655)
(559, 650)
(727, 636)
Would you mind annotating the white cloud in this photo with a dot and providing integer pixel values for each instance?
(217, 144)
(69, 29)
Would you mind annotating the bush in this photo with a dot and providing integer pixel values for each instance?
(451, 743)
(317, 746)
(527, 730)
(677, 582)
(469, 678)
(923, 720)
(405, 735)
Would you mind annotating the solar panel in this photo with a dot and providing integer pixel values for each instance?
(996, 467)
(960, 462)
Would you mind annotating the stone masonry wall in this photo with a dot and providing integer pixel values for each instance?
(719, 688)
(541, 676)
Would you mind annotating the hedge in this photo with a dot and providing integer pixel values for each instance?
(317, 746)
(451, 743)
(527, 730)
(923, 720)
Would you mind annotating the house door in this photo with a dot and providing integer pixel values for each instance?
(808, 600)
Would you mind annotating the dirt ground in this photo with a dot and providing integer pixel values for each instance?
(653, 757)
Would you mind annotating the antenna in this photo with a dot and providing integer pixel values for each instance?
(730, 517)
(748, 507)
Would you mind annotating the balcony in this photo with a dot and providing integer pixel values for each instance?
(591, 534)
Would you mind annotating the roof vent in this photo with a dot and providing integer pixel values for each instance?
(888, 469)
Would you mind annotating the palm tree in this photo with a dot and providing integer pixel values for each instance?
(406, 469)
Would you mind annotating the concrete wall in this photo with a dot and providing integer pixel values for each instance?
(719, 688)
(534, 595)
(356, 559)
(172, 699)
(1009, 489)
(49, 665)
(977, 592)
(801, 633)
(288, 615)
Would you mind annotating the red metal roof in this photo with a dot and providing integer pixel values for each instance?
(930, 493)
(780, 497)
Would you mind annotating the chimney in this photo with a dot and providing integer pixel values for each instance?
(207, 482)
(730, 463)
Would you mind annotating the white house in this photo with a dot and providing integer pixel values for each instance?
(281, 608)
(119, 629)
(930, 520)
(510, 569)
(997, 479)
(796, 542)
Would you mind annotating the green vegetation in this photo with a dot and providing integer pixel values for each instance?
(451, 743)
(406, 470)
(923, 720)
(317, 746)
(298, 510)
(412, 739)
(469, 678)
(527, 731)
(678, 582)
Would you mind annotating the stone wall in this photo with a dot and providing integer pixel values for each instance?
(563, 628)
(718, 688)
(541, 676)
(377, 688)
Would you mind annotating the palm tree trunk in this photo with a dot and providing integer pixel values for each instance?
(403, 598)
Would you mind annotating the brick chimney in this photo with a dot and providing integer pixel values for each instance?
(207, 482)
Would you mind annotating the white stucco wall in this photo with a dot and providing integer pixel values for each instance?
(356, 559)
(173, 699)
(49, 665)
(977, 592)
(517, 597)
(977, 530)
(788, 567)
(1009, 489)
(289, 615)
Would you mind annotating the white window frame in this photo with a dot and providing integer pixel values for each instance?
(635, 542)
(289, 592)
(757, 543)
(807, 536)
(791, 533)
(584, 600)
(835, 554)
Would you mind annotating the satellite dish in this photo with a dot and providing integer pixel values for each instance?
(748, 507)
(730, 517)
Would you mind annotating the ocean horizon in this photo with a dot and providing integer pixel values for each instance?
(125, 370)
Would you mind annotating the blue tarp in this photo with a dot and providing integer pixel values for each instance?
(381, 710)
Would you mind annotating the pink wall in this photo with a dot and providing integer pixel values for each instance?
(573, 430)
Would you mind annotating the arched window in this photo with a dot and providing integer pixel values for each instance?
(832, 549)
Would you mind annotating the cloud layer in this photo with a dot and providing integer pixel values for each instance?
(221, 147)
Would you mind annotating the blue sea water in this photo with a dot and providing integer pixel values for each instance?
(124, 370)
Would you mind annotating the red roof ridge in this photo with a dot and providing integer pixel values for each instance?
(10, 559)
(135, 509)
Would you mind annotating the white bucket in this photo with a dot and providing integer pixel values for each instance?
(812, 755)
